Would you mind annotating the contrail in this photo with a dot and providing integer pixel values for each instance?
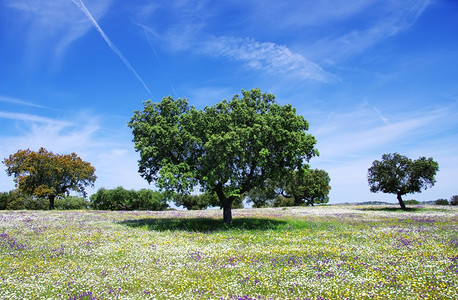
(83, 8)
(145, 30)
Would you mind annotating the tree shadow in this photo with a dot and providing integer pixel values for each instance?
(204, 224)
(392, 209)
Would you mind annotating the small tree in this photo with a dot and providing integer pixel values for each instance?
(45, 174)
(264, 195)
(399, 175)
(308, 187)
(304, 186)
(454, 200)
(441, 202)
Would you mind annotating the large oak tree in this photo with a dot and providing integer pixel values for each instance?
(45, 174)
(228, 148)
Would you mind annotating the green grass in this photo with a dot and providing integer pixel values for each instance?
(296, 253)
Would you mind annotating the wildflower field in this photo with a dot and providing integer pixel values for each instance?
(328, 252)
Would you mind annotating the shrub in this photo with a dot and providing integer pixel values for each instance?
(71, 202)
(412, 202)
(35, 203)
(16, 200)
(441, 202)
(150, 200)
(3, 200)
(195, 202)
(281, 201)
(122, 199)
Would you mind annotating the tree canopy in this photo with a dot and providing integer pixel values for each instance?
(45, 174)
(398, 174)
(228, 148)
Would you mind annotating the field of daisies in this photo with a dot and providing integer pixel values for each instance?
(327, 252)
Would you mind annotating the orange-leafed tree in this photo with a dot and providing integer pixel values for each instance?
(45, 174)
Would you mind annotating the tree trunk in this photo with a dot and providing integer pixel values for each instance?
(227, 211)
(51, 202)
(403, 205)
(226, 203)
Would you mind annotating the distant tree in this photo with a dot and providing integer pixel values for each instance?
(3, 200)
(122, 199)
(301, 187)
(16, 200)
(151, 200)
(228, 148)
(265, 195)
(196, 202)
(71, 202)
(45, 174)
(441, 202)
(13, 200)
(282, 201)
(412, 202)
(399, 175)
(454, 200)
(307, 186)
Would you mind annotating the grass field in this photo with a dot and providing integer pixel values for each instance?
(329, 252)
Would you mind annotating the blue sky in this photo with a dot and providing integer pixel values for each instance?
(371, 77)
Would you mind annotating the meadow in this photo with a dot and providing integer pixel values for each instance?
(326, 252)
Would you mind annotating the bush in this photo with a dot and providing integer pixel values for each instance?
(3, 200)
(411, 202)
(34, 203)
(71, 202)
(15, 200)
(195, 202)
(122, 199)
(454, 200)
(441, 202)
(281, 201)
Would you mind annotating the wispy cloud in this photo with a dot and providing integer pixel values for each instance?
(267, 56)
(17, 101)
(29, 118)
(147, 32)
(112, 46)
(362, 131)
(51, 25)
(394, 18)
